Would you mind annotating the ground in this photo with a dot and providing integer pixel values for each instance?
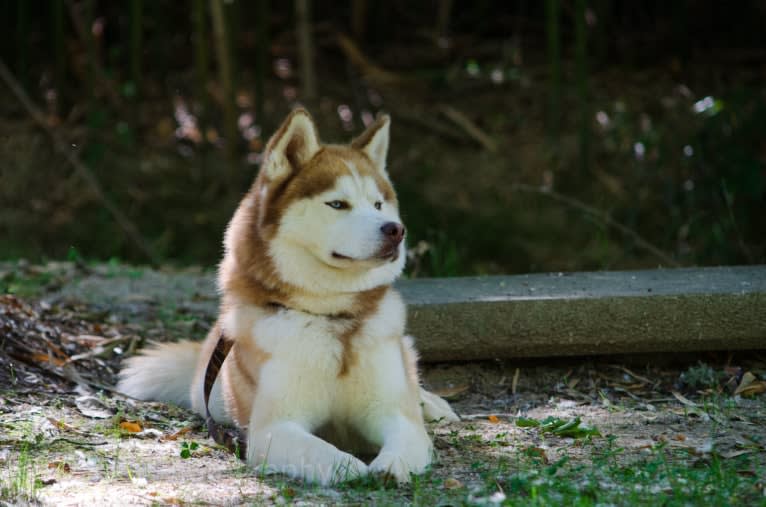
(584, 431)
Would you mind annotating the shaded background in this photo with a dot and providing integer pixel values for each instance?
(527, 136)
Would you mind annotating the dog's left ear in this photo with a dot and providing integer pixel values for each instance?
(374, 142)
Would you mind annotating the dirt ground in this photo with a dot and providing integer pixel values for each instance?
(67, 440)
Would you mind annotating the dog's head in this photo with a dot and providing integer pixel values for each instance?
(327, 214)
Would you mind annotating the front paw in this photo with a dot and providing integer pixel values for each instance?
(347, 469)
(397, 466)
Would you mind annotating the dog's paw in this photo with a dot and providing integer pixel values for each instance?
(396, 466)
(348, 468)
(436, 409)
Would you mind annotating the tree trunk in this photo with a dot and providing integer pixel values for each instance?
(227, 89)
(553, 28)
(261, 62)
(306, 48)
(358, 19)
(582, 83)
(136, 42)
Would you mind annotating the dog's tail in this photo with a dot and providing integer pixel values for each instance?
(162, 373)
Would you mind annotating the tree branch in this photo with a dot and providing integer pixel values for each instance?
(130, 230)
(601, 216)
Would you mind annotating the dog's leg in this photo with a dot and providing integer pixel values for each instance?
(289, 448)
(406, 447)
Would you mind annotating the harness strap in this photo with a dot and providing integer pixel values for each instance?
(233, 440)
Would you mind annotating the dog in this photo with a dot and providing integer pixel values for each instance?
(320, 368)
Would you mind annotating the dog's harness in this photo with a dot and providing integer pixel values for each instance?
(233, 440)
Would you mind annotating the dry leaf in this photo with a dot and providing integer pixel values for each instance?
(60, 465)
(747, 379)
(493, 419)
(91, 406)
(452, 483)
(753, 389)
(130, 427)
(750, 386)
(680, 437)
(174, 436)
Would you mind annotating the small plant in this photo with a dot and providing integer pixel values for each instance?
(702, 376)
(21, 485)
(188, 448)
(560, 427)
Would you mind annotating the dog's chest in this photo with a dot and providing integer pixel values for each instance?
(330, 367)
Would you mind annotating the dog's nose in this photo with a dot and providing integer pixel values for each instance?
(393, 232)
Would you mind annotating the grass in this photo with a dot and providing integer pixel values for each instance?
(663, 477)
(18, 480)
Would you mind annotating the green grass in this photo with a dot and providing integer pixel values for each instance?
(18, 482)
(663, 477)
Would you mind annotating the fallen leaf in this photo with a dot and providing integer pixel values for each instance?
(679, 437)
(750, 386)
(493, 419)
(60, 465)
(91, 406)
(179, 433)
(130, 427)
(452, 483)
(753, 389)
(747, 379)
(45, 358)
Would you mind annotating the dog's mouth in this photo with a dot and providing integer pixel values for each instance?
(386, 254)
(389, 254)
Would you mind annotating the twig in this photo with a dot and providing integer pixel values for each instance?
(600, 215)
(470, 128)
(85, 173)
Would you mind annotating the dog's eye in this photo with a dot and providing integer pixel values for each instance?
(378, 204)
(338, 204)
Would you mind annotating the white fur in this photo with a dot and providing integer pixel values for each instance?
(310, 232)
(300, 391)
(163, 372)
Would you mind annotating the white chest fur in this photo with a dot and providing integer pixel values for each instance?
(300, 380)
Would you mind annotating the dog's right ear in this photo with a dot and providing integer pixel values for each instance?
(293, 144)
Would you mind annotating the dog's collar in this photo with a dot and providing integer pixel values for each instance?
(276, 305)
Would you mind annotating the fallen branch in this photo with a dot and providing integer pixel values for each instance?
(601, 216)
(130, 230)
(469, 127)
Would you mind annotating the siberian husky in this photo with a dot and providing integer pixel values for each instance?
(320, 367)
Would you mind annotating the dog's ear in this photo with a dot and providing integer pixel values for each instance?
(374, 142)
(293, 144)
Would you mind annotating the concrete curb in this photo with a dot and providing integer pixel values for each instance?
(667, 310)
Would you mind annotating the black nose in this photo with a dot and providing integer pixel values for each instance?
(393, 232)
